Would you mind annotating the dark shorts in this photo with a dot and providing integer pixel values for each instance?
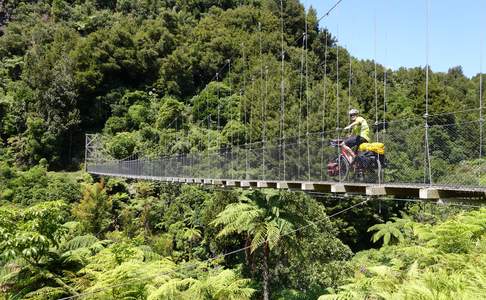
(354, 141)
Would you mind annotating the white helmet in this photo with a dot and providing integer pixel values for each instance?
(353, 112)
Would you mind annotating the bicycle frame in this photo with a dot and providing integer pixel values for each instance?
(347, 152)
(347, 155)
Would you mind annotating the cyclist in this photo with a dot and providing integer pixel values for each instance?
(360, 130)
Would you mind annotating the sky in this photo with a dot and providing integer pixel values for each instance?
(457, 31)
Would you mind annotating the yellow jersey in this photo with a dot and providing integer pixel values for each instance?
(361, 128)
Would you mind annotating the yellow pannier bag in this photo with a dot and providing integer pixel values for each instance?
(375, 147)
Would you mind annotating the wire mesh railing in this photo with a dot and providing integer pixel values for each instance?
(454, 158)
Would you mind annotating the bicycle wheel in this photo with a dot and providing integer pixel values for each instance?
(376, 174)
(343, 167)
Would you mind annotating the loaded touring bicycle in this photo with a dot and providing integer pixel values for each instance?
(365, 165)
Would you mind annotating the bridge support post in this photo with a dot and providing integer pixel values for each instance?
(231, 183)
(266, 184)
(338, 188)
(375, 191)
(218, 182)
(248, 184)
(245, 184)
(315, 186)
(429, 193)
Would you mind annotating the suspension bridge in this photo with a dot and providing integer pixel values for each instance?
(456, 171)
(429, 156)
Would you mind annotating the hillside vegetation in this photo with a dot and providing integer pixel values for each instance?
(186, 76)
(165, 77)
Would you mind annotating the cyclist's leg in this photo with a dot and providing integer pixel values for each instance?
(351, 141)
(360, 140)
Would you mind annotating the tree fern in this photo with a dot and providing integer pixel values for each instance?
(387, 231)
(45, 293)
(82, 241)
(149, 254)
(261, 216)
(228, 285)
(442, 261)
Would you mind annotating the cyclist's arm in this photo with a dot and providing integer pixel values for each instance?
(352, 125)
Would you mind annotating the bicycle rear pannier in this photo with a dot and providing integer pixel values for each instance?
(378, 148)
(332, 169)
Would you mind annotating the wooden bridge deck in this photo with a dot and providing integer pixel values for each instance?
(418, 191)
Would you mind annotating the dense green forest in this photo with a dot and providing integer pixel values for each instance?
(184, 76)
(151, 74)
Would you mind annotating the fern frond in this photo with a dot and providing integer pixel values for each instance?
(45, 293)
(273, 234)
(149, 254)
(259, 238)
(81, 241)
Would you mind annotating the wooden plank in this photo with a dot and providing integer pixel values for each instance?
(316, 186)
(262, 184)
(375, 191)
(248, 184)
(402, 192)
(417, 191)
(230, 183)
(338, 188)
(217, 182)
(245, 184)
(266, 184)
(429, 193)
(308, 186)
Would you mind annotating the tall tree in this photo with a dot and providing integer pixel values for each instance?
(262, 217)
(94, 209)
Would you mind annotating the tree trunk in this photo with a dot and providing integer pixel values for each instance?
(266, 276)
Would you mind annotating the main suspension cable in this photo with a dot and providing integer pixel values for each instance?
(329, 11)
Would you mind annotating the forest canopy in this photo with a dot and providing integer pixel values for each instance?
(168, 77)
(150, 74)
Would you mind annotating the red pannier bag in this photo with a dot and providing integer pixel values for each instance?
(332, 169)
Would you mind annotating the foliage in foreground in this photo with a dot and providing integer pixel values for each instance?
(270, 221)
(65, 235)
(442, 261)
